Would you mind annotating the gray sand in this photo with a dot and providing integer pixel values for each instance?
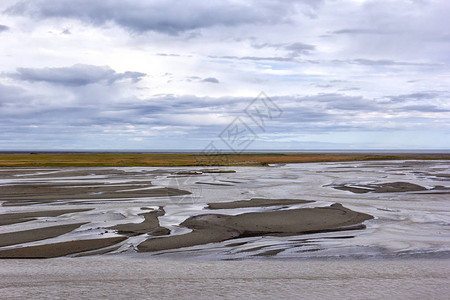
(211, 228)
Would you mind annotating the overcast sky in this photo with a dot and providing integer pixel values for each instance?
(166, 74)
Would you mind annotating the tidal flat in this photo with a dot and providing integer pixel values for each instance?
(282, 230)
(282, 211)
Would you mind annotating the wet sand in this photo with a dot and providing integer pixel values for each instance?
(114, 277)
(288, 214)
(26, 236)
(256, 202)
(8, 219)
(150, 225)
(390, 187)
(213, 228)
(60, 249)
(34, 193)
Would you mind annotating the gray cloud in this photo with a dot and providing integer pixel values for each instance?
(424, 108)
(362, 31)
(297, 49)
(35, 116)
(415, 97)
(368, 74)
(382, 62)
(75, 75)
(293, 49)
(211, 80)
(167, 54)
(254, 58)
(386, 62)
(168, 16)
(3, 28)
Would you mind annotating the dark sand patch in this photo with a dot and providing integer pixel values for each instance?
(150, 225)
(32, 235)
(213, 228)
(214, 183)
(33, 193)
(13, 218)
(236, 244)
(253, 249)
(270, 252)
(60, 249)
(98, 252)
(217, 171)
(230, 181)
(255, 202)
(188, 173)
(390, 187)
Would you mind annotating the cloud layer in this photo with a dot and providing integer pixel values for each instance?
(166, 16)
(174, 74)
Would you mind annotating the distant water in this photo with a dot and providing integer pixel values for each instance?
(132, 278)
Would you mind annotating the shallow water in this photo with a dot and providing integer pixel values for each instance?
(132, 278)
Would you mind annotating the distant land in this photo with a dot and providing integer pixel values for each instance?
(174, 159)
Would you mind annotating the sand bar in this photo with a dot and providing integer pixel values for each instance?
(211, 228)
(256, 202)
(35, 193)
(26, 236)
(13, 218)
(150, 225)
(390, 187)
(60, 249)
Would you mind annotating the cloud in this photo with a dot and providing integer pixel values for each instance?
(340, 66)
(297, 49)
(3, 28)
(167, 54)
(386, 62)
(211, 80)
(76, 75)
(255, 58)
(420, 96)
(424, 108)
(111, 123)
(293, 49)
(166, 16)
(361, 31)
(383, 62)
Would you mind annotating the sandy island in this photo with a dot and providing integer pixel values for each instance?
(213, 228)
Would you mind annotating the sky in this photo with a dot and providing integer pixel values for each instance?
(224, 75)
